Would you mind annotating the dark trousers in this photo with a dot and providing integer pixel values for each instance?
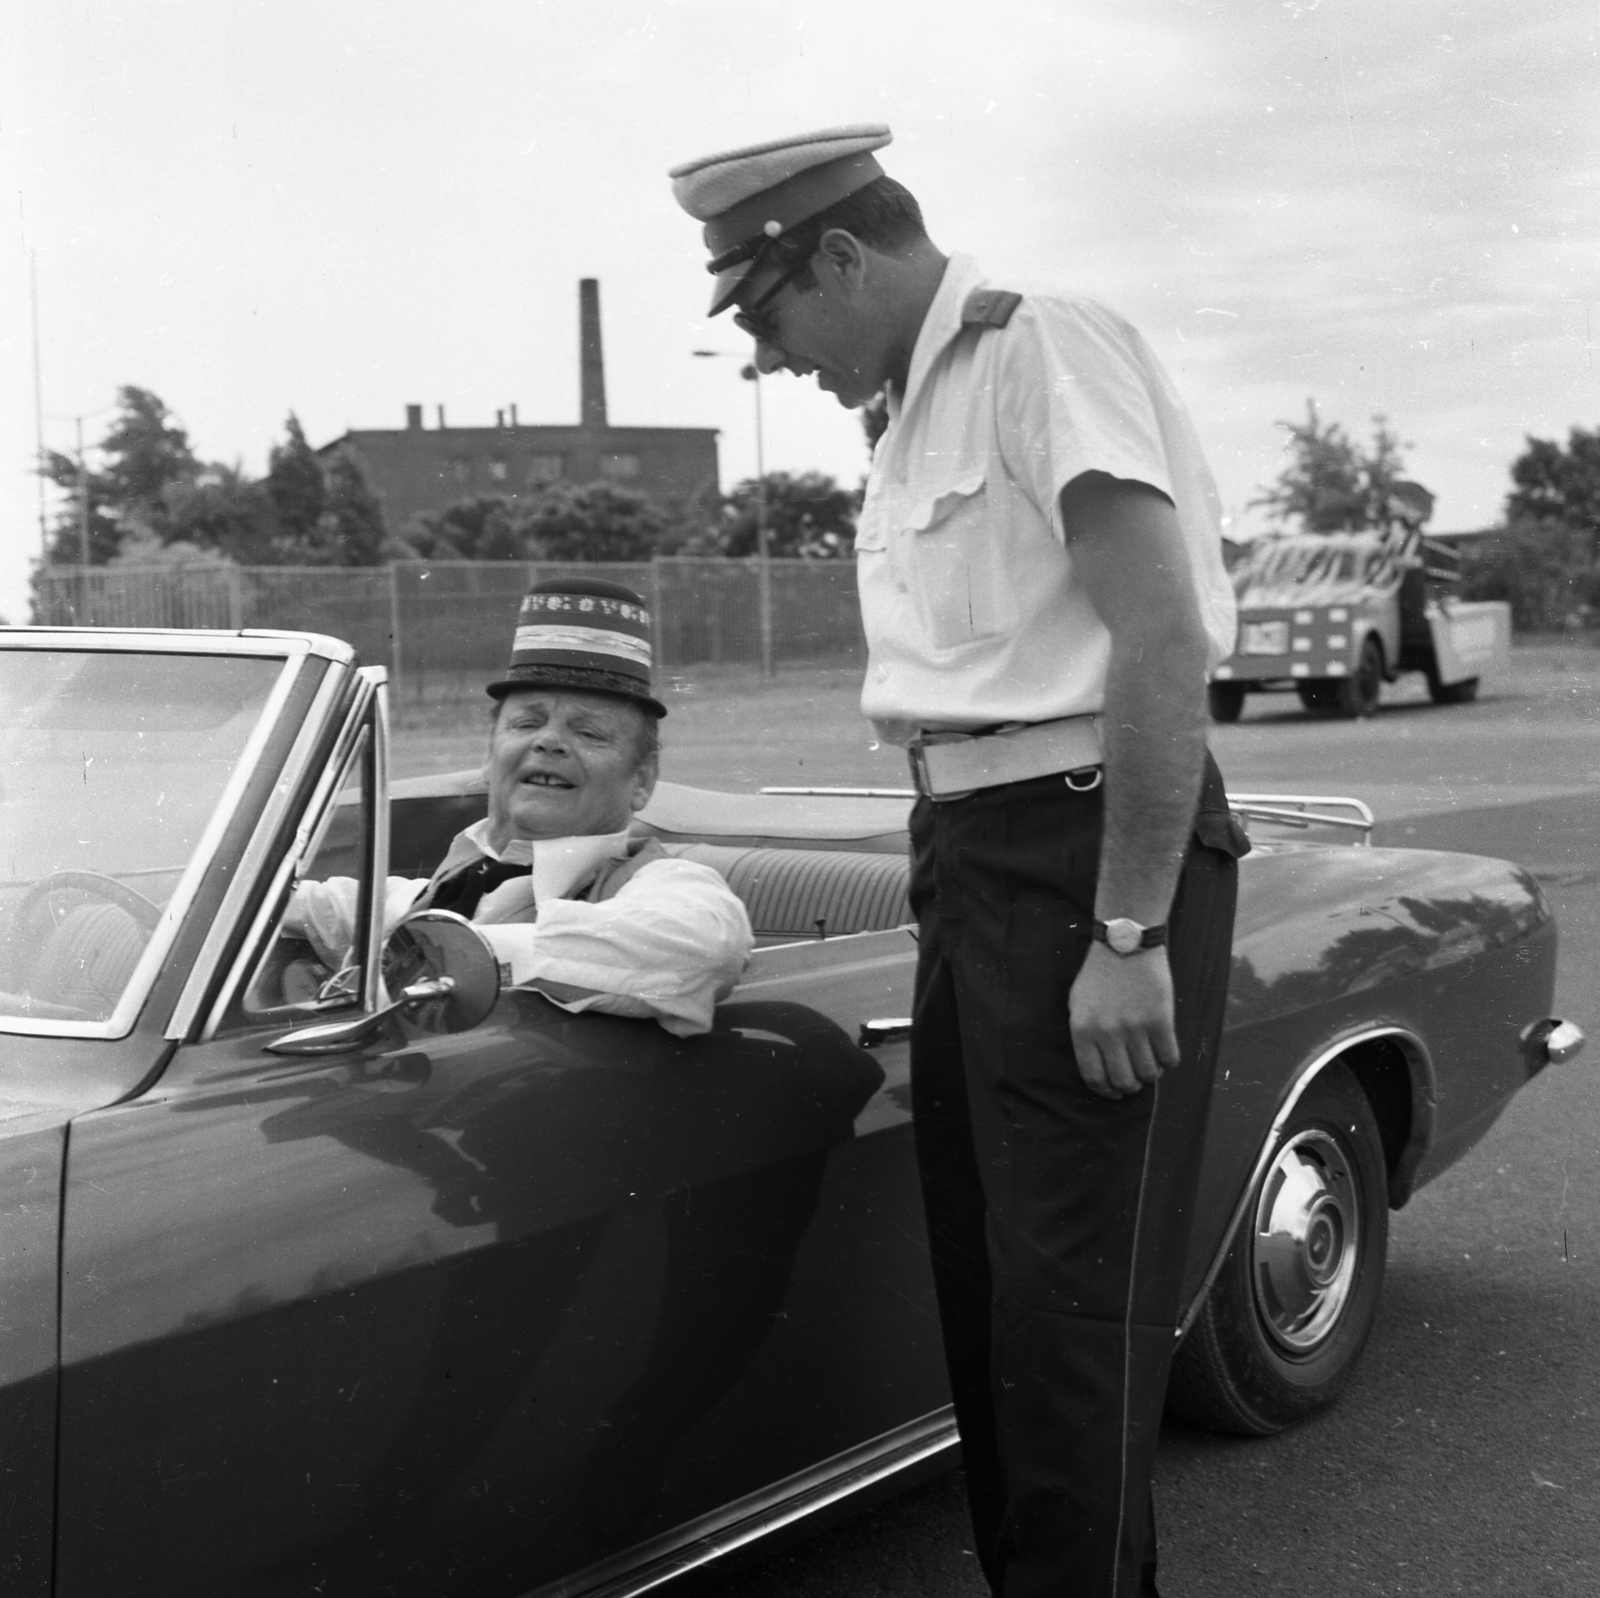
(1057, 1220)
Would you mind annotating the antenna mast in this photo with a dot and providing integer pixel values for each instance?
(38, 396)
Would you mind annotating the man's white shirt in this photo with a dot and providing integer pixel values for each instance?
(972, 613)
(669, 944)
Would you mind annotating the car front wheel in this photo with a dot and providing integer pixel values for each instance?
(1358, 693)
(1288, 1315)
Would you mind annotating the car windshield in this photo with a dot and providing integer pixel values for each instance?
(112, 762)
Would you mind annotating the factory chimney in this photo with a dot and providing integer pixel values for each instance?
(592, 366)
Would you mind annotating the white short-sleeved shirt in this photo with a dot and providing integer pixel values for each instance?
(971, 612)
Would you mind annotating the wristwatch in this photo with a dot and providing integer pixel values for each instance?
(1124, 937)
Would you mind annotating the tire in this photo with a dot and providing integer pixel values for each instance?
(1357, 694)
(1318, 694)
(1285, 1322)
(1454, 693)
(1226, 700)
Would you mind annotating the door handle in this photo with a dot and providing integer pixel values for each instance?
(892, 1029)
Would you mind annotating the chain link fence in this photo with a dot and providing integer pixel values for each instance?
(444, 627)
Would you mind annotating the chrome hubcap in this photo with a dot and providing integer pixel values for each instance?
(1305, 1241)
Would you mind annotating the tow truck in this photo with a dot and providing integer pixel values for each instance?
(1334, 616)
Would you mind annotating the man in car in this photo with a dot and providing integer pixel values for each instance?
(572, 903)
(1042, 588)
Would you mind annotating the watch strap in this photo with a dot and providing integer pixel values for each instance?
(1117, 935)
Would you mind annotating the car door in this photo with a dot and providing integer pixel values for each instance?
(468, 1313)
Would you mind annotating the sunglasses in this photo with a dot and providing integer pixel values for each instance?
(750, 319)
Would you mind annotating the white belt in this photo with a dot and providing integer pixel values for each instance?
(947, 765)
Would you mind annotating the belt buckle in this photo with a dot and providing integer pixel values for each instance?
(920, 779)
(919, 770)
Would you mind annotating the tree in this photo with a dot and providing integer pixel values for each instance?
(809, 516)
(295, 484)
(1332, 485)
(143, 457)
(1559, 487)
(221, 510)
(592, 521)
(64, 546)
(1545, 571)
(146, 453)
(350, 531)
(484, 527)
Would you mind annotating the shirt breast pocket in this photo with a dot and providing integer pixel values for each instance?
(955, 565)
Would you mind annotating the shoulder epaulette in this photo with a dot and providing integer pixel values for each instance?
(989, 307)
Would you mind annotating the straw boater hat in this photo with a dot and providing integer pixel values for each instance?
(580, 632)
(749, 197)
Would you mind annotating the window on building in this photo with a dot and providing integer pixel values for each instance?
(497, 470)
(619, 465)
(543, 469)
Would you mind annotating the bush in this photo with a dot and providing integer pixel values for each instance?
(1542, 568)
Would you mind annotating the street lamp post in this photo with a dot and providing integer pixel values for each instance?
(751, 373)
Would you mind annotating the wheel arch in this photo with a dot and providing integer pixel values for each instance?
(1395, 1072)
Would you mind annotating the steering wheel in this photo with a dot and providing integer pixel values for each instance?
(22, 947)
(95, 882)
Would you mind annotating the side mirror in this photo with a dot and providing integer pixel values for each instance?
(442, 973)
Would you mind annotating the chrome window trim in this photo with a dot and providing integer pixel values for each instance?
(376, 801)
(136, 992)
(333, 687)
(178, 641)
(1333, 1053)
(371, 698)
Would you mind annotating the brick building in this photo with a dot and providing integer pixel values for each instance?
(417, 468)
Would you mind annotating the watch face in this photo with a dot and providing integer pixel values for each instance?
(1123, 935)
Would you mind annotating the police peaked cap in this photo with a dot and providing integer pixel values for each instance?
(749, 197)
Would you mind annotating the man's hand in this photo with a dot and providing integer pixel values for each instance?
(1122, 1027)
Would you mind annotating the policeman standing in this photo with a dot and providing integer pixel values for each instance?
(1041, 580)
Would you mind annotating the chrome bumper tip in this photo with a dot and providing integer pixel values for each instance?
(1553, 1041)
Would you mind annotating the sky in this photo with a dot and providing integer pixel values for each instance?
(338, 207)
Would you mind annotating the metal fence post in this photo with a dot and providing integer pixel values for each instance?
(764, 598)
(658, 631)
(394, 628)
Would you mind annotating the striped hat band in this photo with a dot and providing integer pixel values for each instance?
(582, 632)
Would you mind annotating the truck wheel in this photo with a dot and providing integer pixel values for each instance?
(1290, 1312)
(1358, 693)
(1452, 693)
(1226, 700)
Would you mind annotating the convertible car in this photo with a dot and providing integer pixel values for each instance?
(393, 1280)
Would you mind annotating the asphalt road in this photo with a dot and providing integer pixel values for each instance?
(1465, 1456)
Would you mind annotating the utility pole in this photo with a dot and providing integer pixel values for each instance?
(83, 532)
(751, 373)
(38, 396)
(83, 501)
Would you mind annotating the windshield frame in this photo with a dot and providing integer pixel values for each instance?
(294, 651)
